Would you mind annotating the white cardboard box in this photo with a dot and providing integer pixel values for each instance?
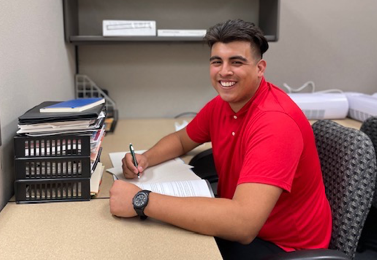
(182, 33)
(362, 106)
(128, 28)
(322, 105)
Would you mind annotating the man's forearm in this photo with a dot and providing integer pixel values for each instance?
(169, 147)
(208, 216)
(238, 219)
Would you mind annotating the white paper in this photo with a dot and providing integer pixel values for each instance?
(179, 126)
(172, 170)
(95, 179)
(61, 127)
(193, 188)
(116, 158)
(172, 177)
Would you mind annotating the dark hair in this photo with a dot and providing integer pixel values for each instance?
(238, 30)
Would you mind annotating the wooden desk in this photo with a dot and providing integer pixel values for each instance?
(345, 122)
(87, 230)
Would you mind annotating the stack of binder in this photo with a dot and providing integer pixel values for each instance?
(57, 154)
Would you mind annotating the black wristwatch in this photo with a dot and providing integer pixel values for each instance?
(140, 201)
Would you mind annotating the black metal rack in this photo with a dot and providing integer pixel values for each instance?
(52, 168)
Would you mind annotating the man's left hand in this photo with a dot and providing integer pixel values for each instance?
(121, 195)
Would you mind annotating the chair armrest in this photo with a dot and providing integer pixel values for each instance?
(311, 254)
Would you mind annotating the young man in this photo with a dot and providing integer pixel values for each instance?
(272, 196)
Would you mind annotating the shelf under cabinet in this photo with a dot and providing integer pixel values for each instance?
(88, 39)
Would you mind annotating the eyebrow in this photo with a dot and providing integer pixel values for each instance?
(231, 58)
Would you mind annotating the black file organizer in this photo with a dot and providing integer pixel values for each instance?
(52, 168)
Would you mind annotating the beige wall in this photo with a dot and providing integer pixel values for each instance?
(329, 42)
(35, 65)
(332, 43)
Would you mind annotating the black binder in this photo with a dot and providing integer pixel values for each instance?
(33, 116)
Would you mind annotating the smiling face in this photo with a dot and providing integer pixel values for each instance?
(235, 72)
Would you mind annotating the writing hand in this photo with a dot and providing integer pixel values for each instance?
(129, 169)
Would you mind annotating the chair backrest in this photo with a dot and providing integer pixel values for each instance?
(369, 127)
(204, 167)
(348, 165)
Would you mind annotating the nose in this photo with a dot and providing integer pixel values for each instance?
(226, 70)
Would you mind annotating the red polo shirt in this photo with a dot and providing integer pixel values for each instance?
(270, 141)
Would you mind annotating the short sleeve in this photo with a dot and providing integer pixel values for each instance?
(199, 128)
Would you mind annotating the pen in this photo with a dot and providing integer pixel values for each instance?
(134, 159)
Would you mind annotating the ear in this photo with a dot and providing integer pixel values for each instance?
(261, 67)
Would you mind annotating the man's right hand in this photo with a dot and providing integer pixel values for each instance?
(129, 169)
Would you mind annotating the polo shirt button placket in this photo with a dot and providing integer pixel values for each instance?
(233, 133)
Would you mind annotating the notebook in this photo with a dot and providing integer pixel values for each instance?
(74, 105)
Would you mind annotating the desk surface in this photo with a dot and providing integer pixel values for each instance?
(87, 230)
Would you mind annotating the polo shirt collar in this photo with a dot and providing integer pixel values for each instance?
(261, 89)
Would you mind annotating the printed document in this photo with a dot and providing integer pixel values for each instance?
(172, 177)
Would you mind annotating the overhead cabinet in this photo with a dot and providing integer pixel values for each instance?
(83, 18)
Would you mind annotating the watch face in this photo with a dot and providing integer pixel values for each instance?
(140, 199)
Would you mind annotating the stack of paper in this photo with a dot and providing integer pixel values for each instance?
(173, 177)
(61, 148)
(89, 121)
(36, 123)
(96, 179)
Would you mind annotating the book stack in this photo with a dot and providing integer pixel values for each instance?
(57, 151)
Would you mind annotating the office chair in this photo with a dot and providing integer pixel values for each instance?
(204, 167)
(369, 127)
(348, 163)
(368, 237)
